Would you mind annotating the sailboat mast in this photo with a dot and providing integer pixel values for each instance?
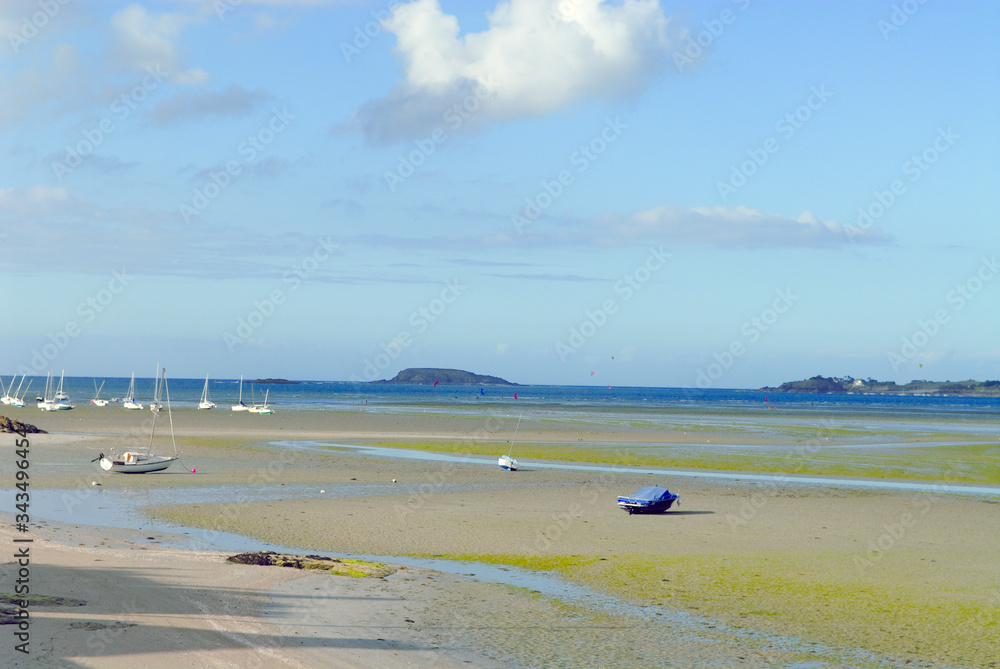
(515, 435)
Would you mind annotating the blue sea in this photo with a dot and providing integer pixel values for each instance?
(327, 395)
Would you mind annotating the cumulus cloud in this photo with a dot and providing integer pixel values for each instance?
(146, 40)
(234, 101)
(537, 57)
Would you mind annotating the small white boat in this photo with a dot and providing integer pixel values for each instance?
(240, 406)
(261, 409)
(97, 401)
(205, 404)
(143, 460)
(507, 462)
(129, 401)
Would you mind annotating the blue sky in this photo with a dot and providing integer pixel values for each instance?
(731, 194)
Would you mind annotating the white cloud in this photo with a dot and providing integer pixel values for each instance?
(536, 58)
(35, 202)
(147, 40)
(723, 227)
(727, 227)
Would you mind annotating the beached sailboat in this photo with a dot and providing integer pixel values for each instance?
(204, 403)
(156, 404)
(60, 396)
(129, 401)
(19, 401)
(507, 462)
(240, 406)
(7, 397)
(262, 409)
(49, 402)
(143, 460)
(97, 401)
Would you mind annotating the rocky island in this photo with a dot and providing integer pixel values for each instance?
(448, 377)
(847, 384)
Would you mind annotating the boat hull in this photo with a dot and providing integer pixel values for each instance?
(507, 463)
(646, 507)
(648, 500)
(141, 464)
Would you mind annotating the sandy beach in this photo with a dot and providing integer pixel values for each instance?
(743, 573)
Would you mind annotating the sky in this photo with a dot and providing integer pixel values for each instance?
(727, 194)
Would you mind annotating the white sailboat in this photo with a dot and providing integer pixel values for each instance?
(49, 402)
(506, 462)
(97, 401)
(262, 409)
(60, 396)
(205, 404)
(156, 404)
(7, 398)
(45, 393)
(142, 460)
(240, 406)
(129, 401)
(19, 401)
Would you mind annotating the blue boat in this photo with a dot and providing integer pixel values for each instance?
(649, 500)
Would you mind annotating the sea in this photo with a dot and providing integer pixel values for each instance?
(333, 395)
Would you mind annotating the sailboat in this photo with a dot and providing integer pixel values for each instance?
(7, 397)
(156, 404)
(49, 402)
(129, 401)
(60, 396)
(205, 404)
(262, 409)
(506, 462)
(142, 460)
(97, 401)
(19, 401)
(240, 406)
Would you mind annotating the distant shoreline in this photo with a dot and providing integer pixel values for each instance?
(850, 386)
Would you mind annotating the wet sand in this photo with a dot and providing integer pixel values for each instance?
(772, 573)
